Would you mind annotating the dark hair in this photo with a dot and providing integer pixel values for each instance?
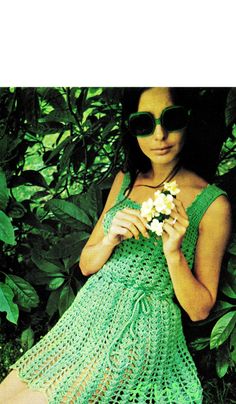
(203, 138)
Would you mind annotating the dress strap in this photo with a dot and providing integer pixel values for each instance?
(124, 185)
(206, 198)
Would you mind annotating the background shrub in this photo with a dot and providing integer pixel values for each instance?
(59, 152)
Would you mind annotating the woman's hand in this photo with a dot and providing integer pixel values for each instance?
(174, 229)
(127, 223)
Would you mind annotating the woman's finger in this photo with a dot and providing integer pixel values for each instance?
(124, 218)
(180, 208)
(177, 226)
(177, 217)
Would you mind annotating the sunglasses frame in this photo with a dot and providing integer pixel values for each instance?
(156, 121)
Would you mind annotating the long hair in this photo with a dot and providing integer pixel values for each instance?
(204, 134)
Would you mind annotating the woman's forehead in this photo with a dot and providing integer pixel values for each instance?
(155, 100)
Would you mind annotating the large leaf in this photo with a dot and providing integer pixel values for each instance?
(71, 244)
(90, 201)
(66, 299)
(44, 265)
(67, 212)
(4, 192)
(222, 329)
(6, 229)
(7, 304)
(26, 295)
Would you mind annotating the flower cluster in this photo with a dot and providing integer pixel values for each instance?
(159, 209)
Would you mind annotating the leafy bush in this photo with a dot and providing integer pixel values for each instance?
(59, 150)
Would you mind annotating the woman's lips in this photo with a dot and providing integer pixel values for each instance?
(161, 150)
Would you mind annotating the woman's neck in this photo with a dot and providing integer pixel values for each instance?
(161, 171)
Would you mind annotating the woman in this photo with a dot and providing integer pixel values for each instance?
(122, 338)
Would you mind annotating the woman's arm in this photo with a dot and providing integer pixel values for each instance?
(197, 291)
(127, 223)
(98, 249)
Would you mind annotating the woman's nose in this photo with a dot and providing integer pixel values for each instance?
(159, 133)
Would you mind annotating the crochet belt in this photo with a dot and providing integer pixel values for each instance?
(141, 305)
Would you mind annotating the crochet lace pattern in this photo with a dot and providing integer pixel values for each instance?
(121, 340)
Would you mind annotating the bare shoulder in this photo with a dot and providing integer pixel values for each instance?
(217, 220)
(219, 209)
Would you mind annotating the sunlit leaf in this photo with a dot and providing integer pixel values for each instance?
(6, 303)
(222, 329)
(6, 229)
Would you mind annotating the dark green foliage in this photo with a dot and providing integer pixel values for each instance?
(59, 150)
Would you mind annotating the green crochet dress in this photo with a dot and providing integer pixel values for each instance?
(121, 340)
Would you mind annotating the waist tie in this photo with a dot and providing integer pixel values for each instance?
(140, 305)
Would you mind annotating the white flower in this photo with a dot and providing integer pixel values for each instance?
(171, 187)
(156, 227)
(164, 203)
(147, 210)
(161, 205)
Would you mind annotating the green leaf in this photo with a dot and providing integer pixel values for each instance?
(59, 116)
(44, 265)
(232, 266)
(42, 278)
(222, 361)
(7, 304)
(4, 192)
(71, 244)
(6, 229)
(233, 345)
(27, 338)
(53, 96)
(26, 295)
(90, 202)
(66, 299)
(66, 156)
(67, 212)
(53, 302)
(200, 343)
(222, 305)
(229, 286)
(222, 329)
(55, 283)
(56, 151)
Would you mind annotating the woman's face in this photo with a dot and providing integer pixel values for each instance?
(161, 147)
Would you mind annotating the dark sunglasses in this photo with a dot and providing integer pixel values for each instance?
(172, 118)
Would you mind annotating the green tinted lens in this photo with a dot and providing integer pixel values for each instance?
(141, 124)
(174, 118)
